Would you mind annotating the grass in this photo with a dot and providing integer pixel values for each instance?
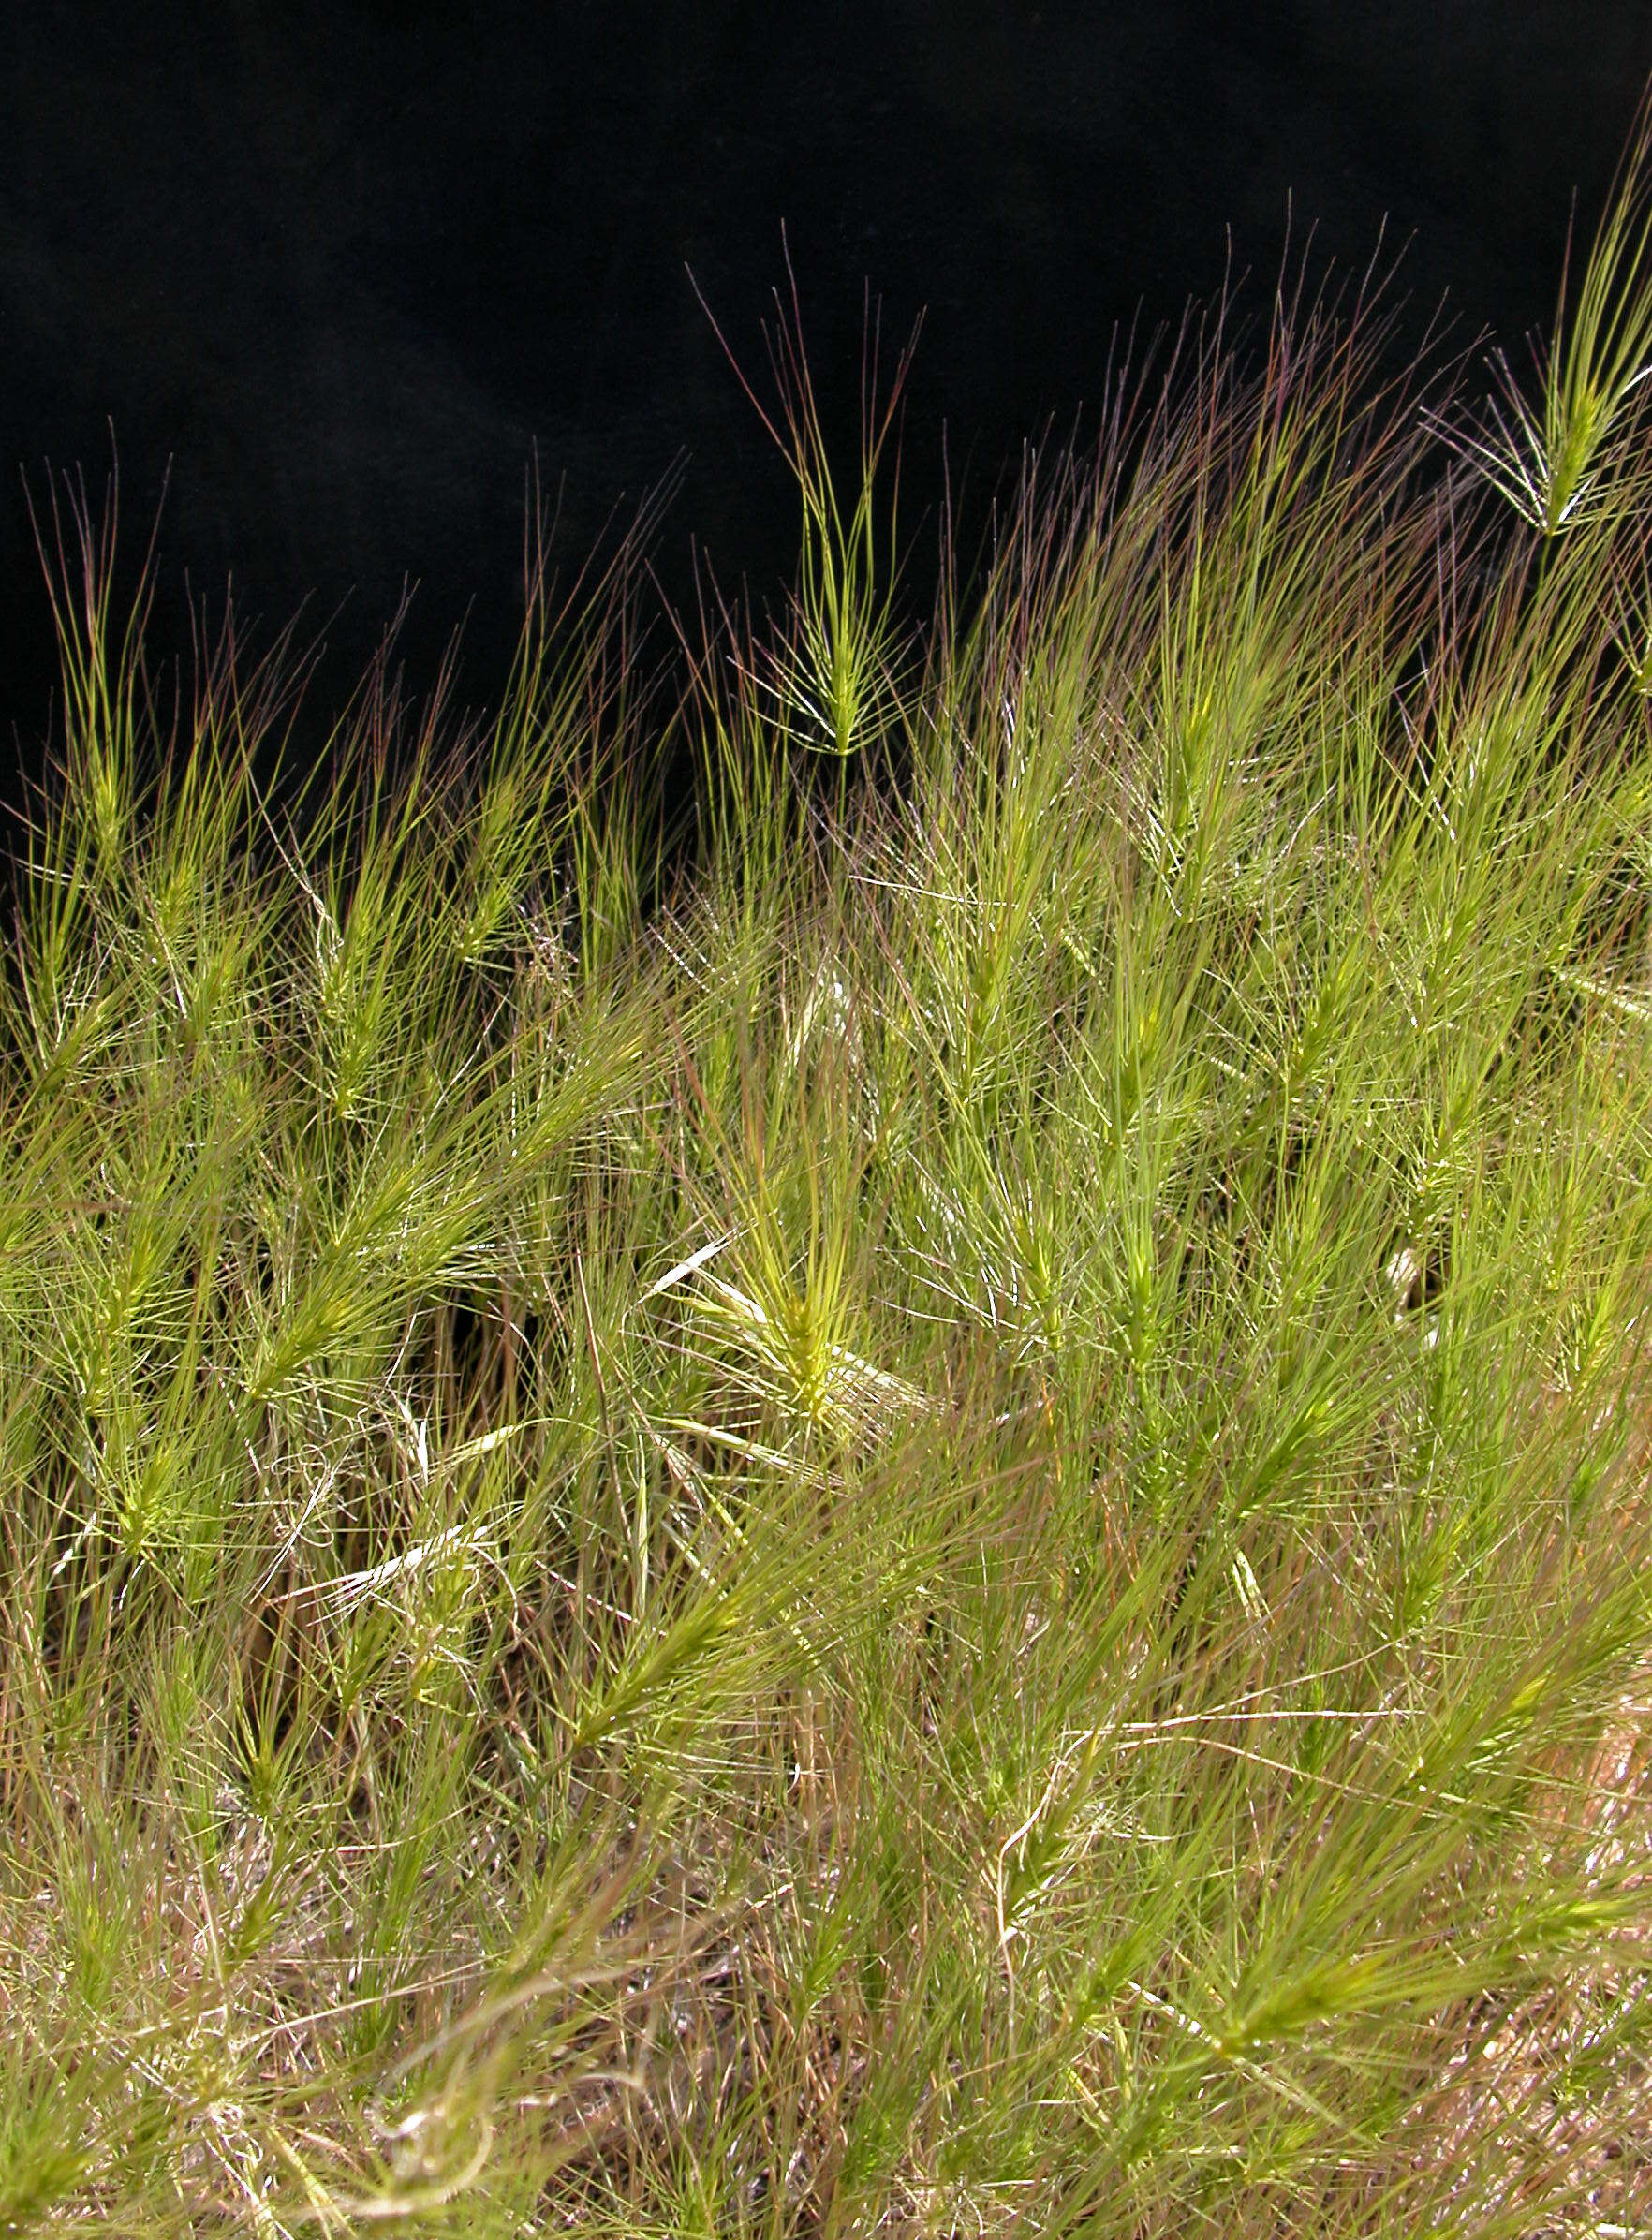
(929, 1514)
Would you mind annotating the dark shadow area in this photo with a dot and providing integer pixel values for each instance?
(347, 265)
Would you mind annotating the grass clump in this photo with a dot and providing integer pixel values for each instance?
(931, 1519)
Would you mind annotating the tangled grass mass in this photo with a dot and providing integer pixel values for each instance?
(923, 1509)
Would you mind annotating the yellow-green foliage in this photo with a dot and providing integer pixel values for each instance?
(928, 1517)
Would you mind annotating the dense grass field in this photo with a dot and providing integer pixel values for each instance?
(924, 1509)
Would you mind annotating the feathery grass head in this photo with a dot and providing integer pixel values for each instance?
(834, 683)
(1561, 462)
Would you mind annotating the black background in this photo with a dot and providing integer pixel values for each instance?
(346, 261)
